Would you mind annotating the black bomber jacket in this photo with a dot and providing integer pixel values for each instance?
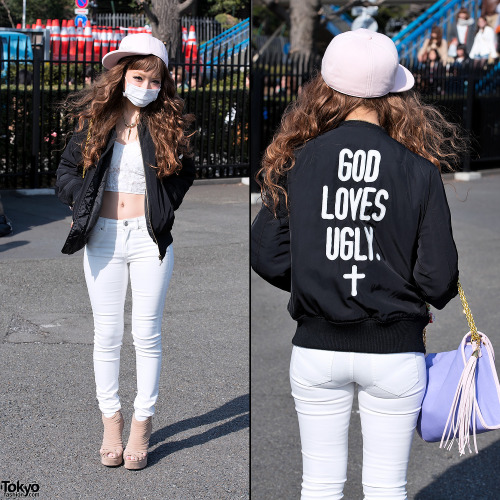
(84, 193)
(365, 242)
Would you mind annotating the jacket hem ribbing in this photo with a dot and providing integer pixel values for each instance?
(366, 336)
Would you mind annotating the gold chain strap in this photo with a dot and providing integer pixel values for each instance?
(86, 146)
(475, 337)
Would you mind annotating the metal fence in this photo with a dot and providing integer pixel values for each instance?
(120, 19)
(276, 80)
(468, 94)
(206, 27)
(34, 130)
(272, 46)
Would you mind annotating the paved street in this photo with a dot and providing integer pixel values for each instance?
(50, 425)
(434, 474)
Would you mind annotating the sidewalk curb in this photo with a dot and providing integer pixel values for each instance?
(255, 198)
(197, 182)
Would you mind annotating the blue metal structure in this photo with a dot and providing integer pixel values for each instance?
(343, 24)
(15, 46)
(228, 44)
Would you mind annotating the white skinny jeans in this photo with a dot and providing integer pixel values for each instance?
(391, 388)
(115, 248)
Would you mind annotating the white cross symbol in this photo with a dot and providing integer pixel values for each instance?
(354, 276)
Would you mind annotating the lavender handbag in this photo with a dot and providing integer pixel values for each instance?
(463, 392)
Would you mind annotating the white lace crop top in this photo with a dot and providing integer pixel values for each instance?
(126, 171)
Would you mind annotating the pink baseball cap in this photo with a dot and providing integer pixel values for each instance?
(139, 44)
(363, 63)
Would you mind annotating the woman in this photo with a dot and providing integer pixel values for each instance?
(461, 32)
(437, 42)
(431, 75)
(462, 56)
(355, 224)
(124, 173)
(483, 48)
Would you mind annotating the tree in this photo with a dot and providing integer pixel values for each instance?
(164, 17)
(47, 9)
(303, 24)
(232, 7)
(9, 15)
(302, 17)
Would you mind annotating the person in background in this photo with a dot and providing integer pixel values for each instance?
(5, 225)
(483, 49)
(90, 75)
(461, 32)
(497, 27)
(430, 77)
(433, 74)
(433, 58)
(489, 10)
(436, 41)
(462, 55)
(458, 73)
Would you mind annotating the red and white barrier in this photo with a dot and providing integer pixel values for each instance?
(72, 39)
(80, 40)
(184, 38)
(88, 41)
(55, 39)
(92, 42)
(97, 43)
(191, 52)
(64, 39)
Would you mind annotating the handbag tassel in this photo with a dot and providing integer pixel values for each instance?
(463, 407)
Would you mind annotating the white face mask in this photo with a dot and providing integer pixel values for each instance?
(139, 96)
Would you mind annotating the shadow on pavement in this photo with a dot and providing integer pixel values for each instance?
(9, 245)
(28, 212)
(237, 408)
(476, 477)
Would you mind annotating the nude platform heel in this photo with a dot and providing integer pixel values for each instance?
(112, 440)
(138, 443)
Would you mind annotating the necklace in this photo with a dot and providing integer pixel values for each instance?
(130, 127)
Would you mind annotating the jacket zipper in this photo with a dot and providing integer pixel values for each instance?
(84, 189)
(290, 238)
(147, 207)
(149, 219)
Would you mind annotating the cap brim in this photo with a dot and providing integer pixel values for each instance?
(404, 80)
(112, 58)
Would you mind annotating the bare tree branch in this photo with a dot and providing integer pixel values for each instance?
(185, 5)
(8, 13)
(147, 10)
(278, 9)
(269, 41)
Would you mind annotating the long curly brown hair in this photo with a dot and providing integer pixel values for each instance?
(420, 127)
(101, 105)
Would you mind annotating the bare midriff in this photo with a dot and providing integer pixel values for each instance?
(122, 205)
